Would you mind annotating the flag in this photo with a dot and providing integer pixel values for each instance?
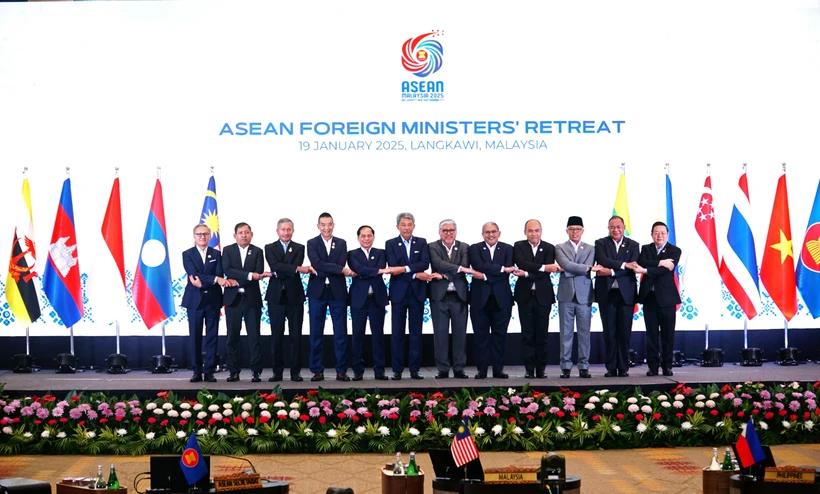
(106, 280)
(463, 448)
(808, 265)
(700, 278)
(777, 269)
(621, 207)
(705, 221)
(21, 294)
(748, 448)
(670, 224)
(152, 290)
(191, 462)
(61, 277)
(738, 267)
(210, 214)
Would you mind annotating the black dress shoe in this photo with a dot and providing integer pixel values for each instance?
(380, 376)
(396, 376)
(358, 377)
(296, 378)
(540, 374)
(529, 375)
(481, 375)
(341, 376)
(442, 375)
(319, 376)
(500, 375)
(651, 373)
(275, 378)
(196, 378)
(210, 378)
(564, 374)
(460, 375)
(611, 374)
(584, 373)
(623, 374)
(257, 377)
(233, 377)
(416, 375)
(668, 373)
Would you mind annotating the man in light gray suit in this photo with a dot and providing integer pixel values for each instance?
(450, 261)
(575, 295)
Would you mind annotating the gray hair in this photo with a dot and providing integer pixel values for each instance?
(448, 221)
(408, 216)
(490, 223)
(284, 220)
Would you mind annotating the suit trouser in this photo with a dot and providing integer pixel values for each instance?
(375, 312)
(664, 318)
(535, 323)
(338, 315)
(571, 314)
(490, 317)
(295, 316)
(616, 316)
(210, 316)
(449, 310)
(411, 311)
(253, 316)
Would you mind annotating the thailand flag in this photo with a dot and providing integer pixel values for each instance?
(749, 450)
(152, 290)
(61, 277)
(738, 268)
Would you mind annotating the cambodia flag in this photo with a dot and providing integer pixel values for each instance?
(152, 290)
(749, 450)
(808, 264)
(61, 277)
(191, 462)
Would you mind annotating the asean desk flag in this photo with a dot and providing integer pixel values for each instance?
(621, 207)
(808, 265)
(777, 269)
(61, 277)
(191, 462)
(210, 214)
(21, 294)
(463, 448)
(749, 450)
(152, 290)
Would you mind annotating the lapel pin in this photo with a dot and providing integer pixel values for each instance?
(455, 248)
(540, 250)
(399, 244)
(209, 256)
(290, 249)
(372, 257)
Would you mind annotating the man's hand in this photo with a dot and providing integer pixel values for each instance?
(195, 281)
(597, 268)
(552, 268)
(397, 270)
(508, 269)
(667, 263)
(520, 273)
(437, 276)
(604, 271)
(257, 276)
(348, 272)
(424, 276)
(479, 275)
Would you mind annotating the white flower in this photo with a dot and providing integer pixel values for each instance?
(150, 435)
(294, 405)
(247, 406)
(222, 432)
(510, 391)
(217, 416)
(679, 397)
(686, 426)
(710, 403)
(226, 412)
(90, 434)
(699, 404)
(265, 413)
(185, 414)
(279, 404)
(479, 431)
(173, 413)
(202, 432)
(185, 405)
(714, 395)
(27, 434)
(607, 406)
(384, 430)
(786, 424)
(150, 406)
(209, 396)
(560, 430)
(808, 424)
(281, 414)
(181, 434)
(238, 399)
(159, 411)
(666, 404)
(518, 430)
(662, 398)
(590, 406)
(700, 397)
(45, 434)
(7, 430)
(763, 425)
(602, 392)
(285, 433)
(121, 432)
(213, 408)
(245, 415)
(360, 429)
(445, 431)
(263, 406)
(198, 407)
(633, 408)
(646, 409)
(331, 433)
(59, 434)
(413, 431)
(677, 404)
(632, 399)
(594, 399)
(201, 415)
(794, 385)
(538, 428)
(641, 428)
(227, 405)
(661, 427)
(616, 428)
(496, 430)
(253, 432)
(294, 414)
(167, 406)
(613, 400)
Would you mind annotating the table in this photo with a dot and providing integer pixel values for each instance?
(572, 485)
(741, 484)
(268, 487)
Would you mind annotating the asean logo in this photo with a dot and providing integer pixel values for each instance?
(810, 254)
(190, 458)
(421, 55)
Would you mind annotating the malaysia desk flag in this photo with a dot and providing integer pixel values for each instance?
(749, 450)
(191, 462)
(152, 290)
(808, 264)
(61, 277)
(463, 448)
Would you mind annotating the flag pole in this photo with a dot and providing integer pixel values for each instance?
(70, 328)
(706, 326)
(28, 341)
(117, 321)
(786, 321)
(162, 326)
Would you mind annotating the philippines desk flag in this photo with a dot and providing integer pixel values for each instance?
(191, 462)
(61, 277)
(152, 290)
(749, 450)
(210, 214)
(808, 265)
(463, 448)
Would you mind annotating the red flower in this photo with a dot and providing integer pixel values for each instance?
(656, 416)
(682, 388)
(35, 398)
(341, 415)
(678, 415)
(226, 420)
(313, 392)
(542, 414)
(52, 422)
(573, 414)
(689, 411)
(619, 416)
(49, 398)
(199, 422)
(577, 396)
(163, 395)
(479, 413)
(75, 398)
(437, 396)
(103, 420)
(768, 415)
(448, 415)
(120, 418)
(755, 411)
(537, 394)
(595, 418)
(418, 396)
(163, 423)
(355, 418)
(183, 422)
(63, 420)
(530, 417)
(741, 414)
(727, 414)
(714, 412)
(81, 423)
(264, 420)
(136, 419)
(16, 419)
(496, 415)
(431, 419)
(727, 388)
(367, 415)
(782, 413)
(322, 419)
(211, 421)
(38, 422)
(793, 417)
(152, 420)
(413, 419)
(560, 413)
(806, 416)
(394, 416)
(237, 419)
(512, 420)
(639, 416)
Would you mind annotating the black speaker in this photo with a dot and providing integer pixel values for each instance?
(117, 364)
(66, 363)
(161, 364)
(712, 357)
(751, 357)
(788, 356)
(23, 363)
(677, 358)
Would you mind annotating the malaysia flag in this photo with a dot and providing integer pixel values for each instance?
(61, 277)
(152, 290)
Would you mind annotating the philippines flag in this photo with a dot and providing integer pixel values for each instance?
(749, 450)
(210, 214)
(463, 448)
(738, 268)
(61, 277)
(152, 290)
(808, 264)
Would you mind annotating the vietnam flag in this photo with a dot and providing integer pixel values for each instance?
(777, 269)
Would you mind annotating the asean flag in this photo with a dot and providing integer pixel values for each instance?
(152, 290)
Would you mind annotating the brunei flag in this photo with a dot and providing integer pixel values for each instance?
(21, 294)
(621, 207)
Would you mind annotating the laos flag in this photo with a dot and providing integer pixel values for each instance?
(61, 277)
(152, 290)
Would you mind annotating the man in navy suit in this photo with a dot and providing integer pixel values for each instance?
(243, 263)
(408, 258)
(368, 298)
(659, 296)
(616, 293)
(492, 299)
(327, 287)
(286, 298)
(203, 300)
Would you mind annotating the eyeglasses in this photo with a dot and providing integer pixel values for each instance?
(448, 230)
(490, 232)
(200, 234)
(575, 229)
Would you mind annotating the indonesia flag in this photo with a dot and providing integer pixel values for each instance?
(749, 450)
(61, 277)
(152, 290)
(738, 268)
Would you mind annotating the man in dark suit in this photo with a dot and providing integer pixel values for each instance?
(659, 296)
(616, 293)
(286, 299)
(368, 298)
(327, 287)
(534, 295)
(244, 264)
(491, 299)
(203, 300)
(450, 260)
(408, 259)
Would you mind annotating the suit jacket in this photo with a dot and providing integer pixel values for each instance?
(210, 294)
(328, 267)
(286, 278)
(497, 282)
(575, 281)
(367, 276)
(606, 256)
(659, 279)
(449, 267)
(523, 257)
(419, 261)
(235, 270)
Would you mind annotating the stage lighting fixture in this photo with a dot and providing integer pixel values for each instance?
(751, 357)
(23, 363)
(788, 356)
(117, 364)
(712, 357)
(161, 364)
(677, 358)
(66, 363)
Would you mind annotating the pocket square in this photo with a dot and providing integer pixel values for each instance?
(212, 260)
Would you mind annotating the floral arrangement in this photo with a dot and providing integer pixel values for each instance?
(357, 421)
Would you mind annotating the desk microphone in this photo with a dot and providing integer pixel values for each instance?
(253, 468)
